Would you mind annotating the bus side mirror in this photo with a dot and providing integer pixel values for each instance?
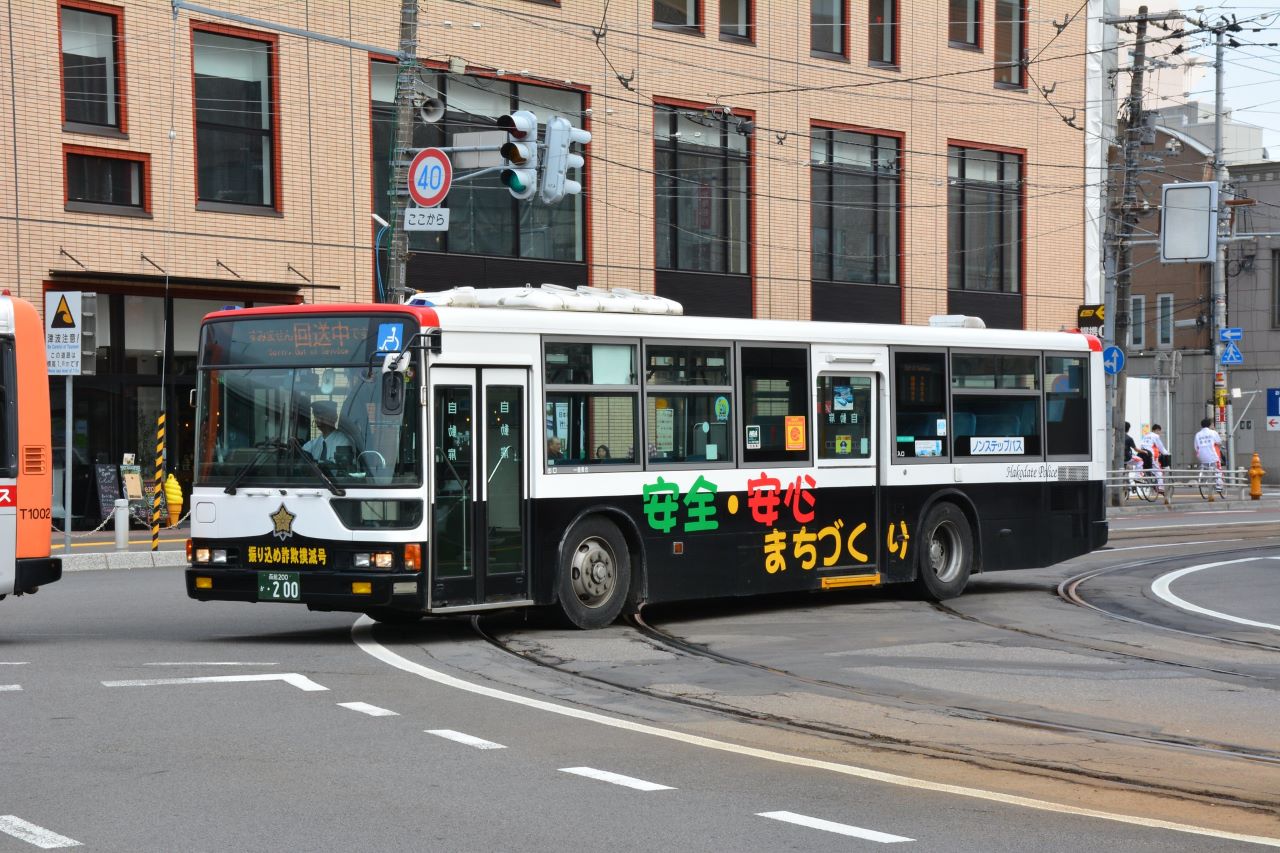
(392, 393)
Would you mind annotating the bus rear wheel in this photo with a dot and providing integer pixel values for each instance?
(945, 558)
(595, 573)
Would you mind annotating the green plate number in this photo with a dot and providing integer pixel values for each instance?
(278, 586)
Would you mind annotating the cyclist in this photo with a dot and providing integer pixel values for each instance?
(1132, 458)
(1153, 444)
(1209, 451)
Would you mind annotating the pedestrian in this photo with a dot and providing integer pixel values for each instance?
(1209, 450)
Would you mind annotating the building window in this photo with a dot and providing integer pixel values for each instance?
(1011, 43)
(484, 219)
(1164, 320)
(682, 14)
(854, 190)
(1137, 322)
(700, 191)
(735, 19)
(92, 66)
(99, 180)
(826, 27)
(882, 32)
(236, 157)
(964, 23)
(1275, 288)
(984, 220)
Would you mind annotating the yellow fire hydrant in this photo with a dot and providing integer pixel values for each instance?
(173, 497)
(1255, 478)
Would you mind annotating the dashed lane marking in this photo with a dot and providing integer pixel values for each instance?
(366, 708)
(10, 688)
(616, 779)
(469, 740)
(832, 826)
(362, 635)
(299, 681)
(39, 836)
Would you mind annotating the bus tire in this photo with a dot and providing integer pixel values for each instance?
(945, 558)
(595, 573)
(392, 616)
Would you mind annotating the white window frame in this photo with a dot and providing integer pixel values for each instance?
(1137, 322)
(1164, 320)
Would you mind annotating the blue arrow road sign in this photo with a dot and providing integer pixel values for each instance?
(1113, 360)
(1231, 354)
(1234, 334)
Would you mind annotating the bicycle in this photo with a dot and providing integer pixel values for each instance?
(1209, 480)
(1142, 484)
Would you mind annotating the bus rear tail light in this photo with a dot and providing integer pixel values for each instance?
(413, 557)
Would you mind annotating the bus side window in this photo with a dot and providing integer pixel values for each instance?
(844, 417)
(775, 404)
(920, 405)
(8, 411)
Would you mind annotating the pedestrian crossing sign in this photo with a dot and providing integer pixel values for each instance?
(1231, 354)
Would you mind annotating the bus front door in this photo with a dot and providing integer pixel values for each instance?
(479, 553)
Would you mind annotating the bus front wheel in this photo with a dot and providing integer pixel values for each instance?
(595, 573)
(946, 554)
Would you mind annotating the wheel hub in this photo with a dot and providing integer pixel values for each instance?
(593, 575)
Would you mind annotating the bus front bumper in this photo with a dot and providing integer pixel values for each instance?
(34, 572)
(343, 591)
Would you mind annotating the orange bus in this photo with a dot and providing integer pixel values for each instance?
(26, 472)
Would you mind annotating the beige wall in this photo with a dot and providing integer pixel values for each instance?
(324, 231)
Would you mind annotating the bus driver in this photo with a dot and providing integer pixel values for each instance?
(322, 447)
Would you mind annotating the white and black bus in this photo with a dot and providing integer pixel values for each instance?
(588, 451)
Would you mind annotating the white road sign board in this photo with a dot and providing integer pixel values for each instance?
(426, 219)
(62, 330)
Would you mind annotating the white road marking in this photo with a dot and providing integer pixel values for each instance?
(32, 834)
(362, 634)
(1161, 545)
(211, 663)
(832, 826)
(616, 779)
(14, 662)
(1166, 528)
(299, 681)
(10, 688)
(1160, 589)
(469, 740)
(366, 708)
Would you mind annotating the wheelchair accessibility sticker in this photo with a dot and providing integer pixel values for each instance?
(390, 337)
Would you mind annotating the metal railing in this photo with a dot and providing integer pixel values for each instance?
(1187, 483)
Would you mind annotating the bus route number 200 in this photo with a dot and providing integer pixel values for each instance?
(278, 586)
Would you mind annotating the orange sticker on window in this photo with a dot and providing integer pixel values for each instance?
(795, 432)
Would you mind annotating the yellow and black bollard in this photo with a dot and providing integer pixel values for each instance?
(159, 484)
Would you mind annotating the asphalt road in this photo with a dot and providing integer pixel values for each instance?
(128, 724)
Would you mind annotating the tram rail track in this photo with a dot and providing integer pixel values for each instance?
(1069, 590)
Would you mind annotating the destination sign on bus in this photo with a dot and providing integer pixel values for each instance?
(303, 339)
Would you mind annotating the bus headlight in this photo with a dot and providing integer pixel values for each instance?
(202, 555)
(376, 560)
(219, 555)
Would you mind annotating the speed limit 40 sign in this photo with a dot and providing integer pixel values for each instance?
(430, 175)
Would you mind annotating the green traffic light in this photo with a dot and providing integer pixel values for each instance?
(511, 179)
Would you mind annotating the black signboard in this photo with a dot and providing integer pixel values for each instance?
(1090, 316)
(108, 481)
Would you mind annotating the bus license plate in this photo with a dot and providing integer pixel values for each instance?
(278, 586)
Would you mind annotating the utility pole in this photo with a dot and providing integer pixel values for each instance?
(406, 78)
(1221, 394)
(1123, 219)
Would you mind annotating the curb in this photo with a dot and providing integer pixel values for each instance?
(123, 560)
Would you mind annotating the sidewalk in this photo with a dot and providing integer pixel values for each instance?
(1187, 499)
(95, 550)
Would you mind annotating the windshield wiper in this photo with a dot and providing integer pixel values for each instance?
(251, 464)
(315, 466)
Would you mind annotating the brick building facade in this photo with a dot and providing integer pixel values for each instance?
(822, 159)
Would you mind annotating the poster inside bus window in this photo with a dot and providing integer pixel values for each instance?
(844, 417)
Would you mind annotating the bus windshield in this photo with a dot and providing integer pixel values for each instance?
(325, 423)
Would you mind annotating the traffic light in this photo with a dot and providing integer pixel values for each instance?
(521, 153)
(555, 181)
